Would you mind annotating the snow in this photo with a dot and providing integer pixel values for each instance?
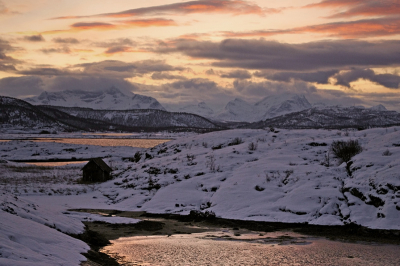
(25, 242)
(243, 174)
(109, 99)
(270, 106)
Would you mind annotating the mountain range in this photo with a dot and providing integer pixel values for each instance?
(18, 114)
(238, 110)
(109, 99)
(334, 117)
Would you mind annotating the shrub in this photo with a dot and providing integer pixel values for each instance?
(259, 188)
(210, 163)
(253, 146)
(190, 159)
(236, 141)
(217, 147)
(345, 150)
(196, 215)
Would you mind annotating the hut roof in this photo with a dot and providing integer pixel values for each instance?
(100, 163)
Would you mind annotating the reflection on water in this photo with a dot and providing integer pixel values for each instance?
(110, 134)
(52, 164)
(224, 248)
(139, 143)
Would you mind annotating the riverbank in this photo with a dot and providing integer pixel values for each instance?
(98, 234)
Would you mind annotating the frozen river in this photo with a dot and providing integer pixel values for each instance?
(228, 248)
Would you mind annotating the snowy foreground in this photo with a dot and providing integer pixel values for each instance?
(284, 176)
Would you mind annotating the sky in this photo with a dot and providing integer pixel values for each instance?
(334, 52)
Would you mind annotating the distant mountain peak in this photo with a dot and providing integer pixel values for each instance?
(111, 99)
(378, 107)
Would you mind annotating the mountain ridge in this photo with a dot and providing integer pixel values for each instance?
(108, 99)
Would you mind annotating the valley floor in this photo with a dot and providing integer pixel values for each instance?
(261, 175)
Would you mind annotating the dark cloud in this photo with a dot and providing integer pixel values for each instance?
(61, 83)
(387, 80)
(7, 68)
(21, 86)
(129, 69)
(162, 76)
(66, 40)
(44, 71)
(210, 72)
(111, 69)
(34, 38)
(7, 63)
(321, 77)
(118, 49)
(116, 42)
(197, 84)
(119, 25)
(262, 89)
(237, 74)
(61, 50)
(27, 86)
(236, 7)
(262, 54)
(92, 25)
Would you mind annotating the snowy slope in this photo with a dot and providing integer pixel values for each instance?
(378, 107)
(110, 99)
(270, 106)
(285, 179)
(280, 176)
(142, 118)
(277, 105)
(239, 110)
(333, 117)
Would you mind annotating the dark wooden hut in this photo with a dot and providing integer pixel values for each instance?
(96, 170)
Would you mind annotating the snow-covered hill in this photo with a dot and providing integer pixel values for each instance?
(109, 99)
(144, 119)
(285, 176)
(334, 117)
(279, 176)
(19, 115)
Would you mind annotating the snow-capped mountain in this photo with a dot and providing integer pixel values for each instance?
(239, 110)
(378, 107)
(109, 99)
(270, 106)
(277, 105)
(21, 115)
(201, 109)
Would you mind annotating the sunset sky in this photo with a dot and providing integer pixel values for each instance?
(183, 52)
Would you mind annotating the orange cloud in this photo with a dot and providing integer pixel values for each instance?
(157, 22)
(236, 7)
(346, 30)
(194, 36)
(138, 23)
(360, 7)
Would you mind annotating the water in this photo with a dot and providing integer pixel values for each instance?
(54, 164)
(224, 248)
(139, 143)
